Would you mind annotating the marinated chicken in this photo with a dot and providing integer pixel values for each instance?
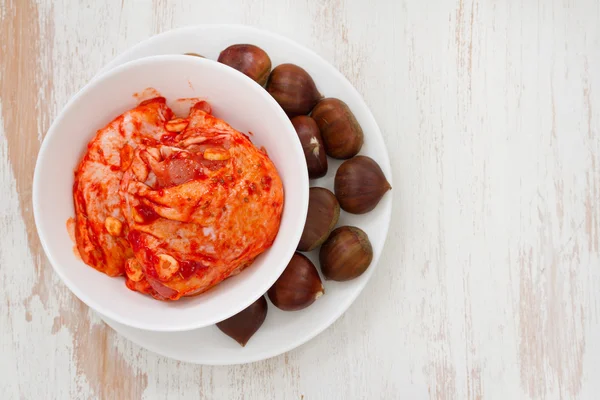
(176, 205)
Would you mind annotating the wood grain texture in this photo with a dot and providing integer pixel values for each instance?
(489, 286)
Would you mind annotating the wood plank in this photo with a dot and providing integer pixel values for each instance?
(489, 285)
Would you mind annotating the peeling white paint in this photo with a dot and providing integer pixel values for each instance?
(489, 285)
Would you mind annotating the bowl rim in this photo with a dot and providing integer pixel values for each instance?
(97, 80)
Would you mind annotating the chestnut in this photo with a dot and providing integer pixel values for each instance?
(323, 214)
(249, 59)
(312, 144)
(294, 89)
(341, 132)
(243, 325)
(346, 254)
(299, 285)
(360, 184)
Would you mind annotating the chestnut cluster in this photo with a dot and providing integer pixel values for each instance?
(325, 127)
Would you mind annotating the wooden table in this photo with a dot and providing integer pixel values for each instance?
(489, 286)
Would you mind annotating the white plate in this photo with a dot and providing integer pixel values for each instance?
(281, 331)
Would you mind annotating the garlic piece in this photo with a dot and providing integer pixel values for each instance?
(167, 267)
(177, 125)
(126, 157)
(154, 152)
(137, 217)
(140, 170)
(133, 269)
(113, 226)
(217, 154)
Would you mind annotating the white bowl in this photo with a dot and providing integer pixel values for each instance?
(233, 97)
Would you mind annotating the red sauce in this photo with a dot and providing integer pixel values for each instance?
(266, 182)
(251, 188)
(126, 156)
(189, 268)
(147, 213)
(169, 138)
(213, 165)
(135, 239)
(147, 142)
(240, 139)
(153, 261)
(158, 99)
(95, 188)
(121, 131)
(137, 125)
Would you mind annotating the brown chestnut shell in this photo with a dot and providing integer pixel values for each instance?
(312, 144)
(346, 254)
(323, 214)
(243, 325)
(298, 287)
(360, 184)
(342, 134)
(294, 89)
(249, 59)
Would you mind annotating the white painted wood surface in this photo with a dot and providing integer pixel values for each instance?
(489, 286)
